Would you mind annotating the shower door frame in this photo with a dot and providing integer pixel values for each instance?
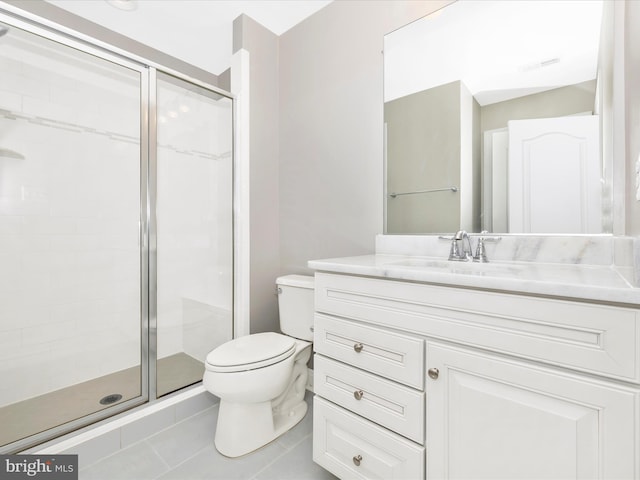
(56, 32)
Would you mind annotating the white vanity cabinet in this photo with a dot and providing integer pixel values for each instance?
(369, 405)
(477, 384)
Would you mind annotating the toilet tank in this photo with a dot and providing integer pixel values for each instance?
(295, 303)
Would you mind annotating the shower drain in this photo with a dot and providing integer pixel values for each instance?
(109, 399)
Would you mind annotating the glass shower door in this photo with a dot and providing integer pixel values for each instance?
(70, 201)
(194, 260)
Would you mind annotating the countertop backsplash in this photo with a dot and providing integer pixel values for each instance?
(564, 249)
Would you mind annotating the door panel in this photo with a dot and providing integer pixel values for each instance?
(555, 175)
(490, 417)
(71, 297)
(194, 229)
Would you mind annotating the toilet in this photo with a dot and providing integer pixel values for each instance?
(261, 378)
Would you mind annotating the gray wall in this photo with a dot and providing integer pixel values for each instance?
(558, 102)
(331, 160)
(632, 104)
(262, 46)
(315, 139)
(423, 151)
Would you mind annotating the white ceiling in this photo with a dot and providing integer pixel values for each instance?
(196, 31)
(498, 49)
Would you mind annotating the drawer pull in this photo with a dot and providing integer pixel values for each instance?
(358, 347)
(358, 394)
(357, 459)
(433, 373)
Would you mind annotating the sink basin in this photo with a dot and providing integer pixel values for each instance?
(457, 267)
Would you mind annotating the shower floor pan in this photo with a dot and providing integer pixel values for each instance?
(22, 419)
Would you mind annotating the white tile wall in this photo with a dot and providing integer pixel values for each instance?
(69, 276)
(69, 213)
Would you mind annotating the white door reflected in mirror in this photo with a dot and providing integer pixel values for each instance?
(457, 80)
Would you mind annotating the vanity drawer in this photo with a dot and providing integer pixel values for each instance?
(392, 355)
(351, 447)
(394, 406)
(590, 337)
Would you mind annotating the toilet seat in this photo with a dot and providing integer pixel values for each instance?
(250, 352)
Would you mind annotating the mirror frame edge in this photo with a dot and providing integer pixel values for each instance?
(615, 147)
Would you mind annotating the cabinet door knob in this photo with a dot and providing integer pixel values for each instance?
(433, 373)
(357, 459)
(358, 394)
(358, 347)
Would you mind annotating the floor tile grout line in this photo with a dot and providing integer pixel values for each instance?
(190, 416)
(177, 465)
(175, 425)
(276, 459)
(268, 465)
(145, 439)
(294, 445)
(286, 450)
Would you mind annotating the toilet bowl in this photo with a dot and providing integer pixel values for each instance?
(261, 378)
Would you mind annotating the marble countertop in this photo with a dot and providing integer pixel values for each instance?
(583, 282)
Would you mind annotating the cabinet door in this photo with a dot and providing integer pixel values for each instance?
(489, 417)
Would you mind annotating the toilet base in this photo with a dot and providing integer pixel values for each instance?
(245, 427)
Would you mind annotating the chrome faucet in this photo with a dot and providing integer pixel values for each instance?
(461, 252)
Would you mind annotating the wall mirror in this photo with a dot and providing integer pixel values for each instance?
(496, 118)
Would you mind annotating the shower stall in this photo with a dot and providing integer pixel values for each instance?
(116, 231)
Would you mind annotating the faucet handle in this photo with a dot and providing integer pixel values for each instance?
(454, 252)
(481, 252)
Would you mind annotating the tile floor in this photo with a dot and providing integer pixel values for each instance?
(185, 451)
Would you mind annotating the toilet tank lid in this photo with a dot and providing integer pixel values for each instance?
(303, 281)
